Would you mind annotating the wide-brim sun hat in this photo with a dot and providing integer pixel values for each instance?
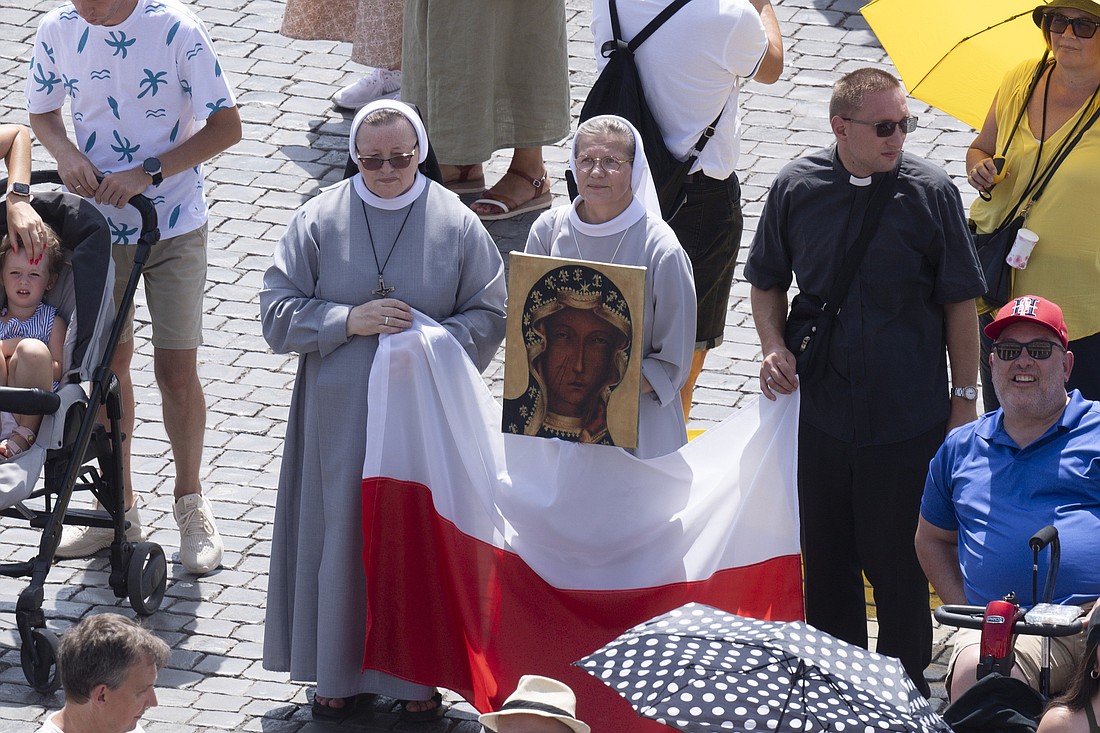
(541, 696)
(1086, 6)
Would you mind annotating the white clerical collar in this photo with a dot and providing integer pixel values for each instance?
(397, 202)
(631, 214)
(857, 181)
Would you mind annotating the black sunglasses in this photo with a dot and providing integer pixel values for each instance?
(397, 162)
(1057, 23)
(1010, 350)
(886, 129)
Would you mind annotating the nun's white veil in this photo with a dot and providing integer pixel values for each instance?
(641, 180)
(419, 181)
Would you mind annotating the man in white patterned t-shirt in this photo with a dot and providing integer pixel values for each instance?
(149, 105)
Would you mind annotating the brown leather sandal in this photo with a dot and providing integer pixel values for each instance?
(508, 206)
(464, 183)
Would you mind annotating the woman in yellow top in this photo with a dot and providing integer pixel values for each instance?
(1065, 264)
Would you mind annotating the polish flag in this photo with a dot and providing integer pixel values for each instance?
(490, 556)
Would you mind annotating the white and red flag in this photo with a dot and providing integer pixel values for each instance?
(491, 556)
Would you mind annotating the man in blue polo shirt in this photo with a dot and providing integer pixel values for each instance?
(995, 482)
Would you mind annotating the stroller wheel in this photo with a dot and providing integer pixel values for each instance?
(39, 659)
(146, 577)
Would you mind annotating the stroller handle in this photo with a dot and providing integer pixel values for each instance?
(29, 401)
(970, 617)
(140, 202)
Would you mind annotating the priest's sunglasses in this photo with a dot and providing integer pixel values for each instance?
(610, 163)
(1039, 349)
(886, 129)
(1058, 23)
(397, 162)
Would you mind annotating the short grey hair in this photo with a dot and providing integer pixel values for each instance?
(613, 128)
(101, 650)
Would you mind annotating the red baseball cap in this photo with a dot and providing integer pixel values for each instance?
(1034, 309)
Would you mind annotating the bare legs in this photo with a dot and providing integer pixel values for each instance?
(184, 410)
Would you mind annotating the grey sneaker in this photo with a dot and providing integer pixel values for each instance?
(85, 541)
(200, 544)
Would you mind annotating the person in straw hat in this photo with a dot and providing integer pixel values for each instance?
(539, 705)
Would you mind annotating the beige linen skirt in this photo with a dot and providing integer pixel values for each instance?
(487, 74)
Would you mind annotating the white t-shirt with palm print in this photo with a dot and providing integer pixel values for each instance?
(135, 90)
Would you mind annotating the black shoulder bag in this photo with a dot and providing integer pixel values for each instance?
(810, 322)
(618, 91)
(994, 247)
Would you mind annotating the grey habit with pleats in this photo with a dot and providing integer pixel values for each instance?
(445, 265)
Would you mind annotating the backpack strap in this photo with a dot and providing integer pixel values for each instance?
(617, 42)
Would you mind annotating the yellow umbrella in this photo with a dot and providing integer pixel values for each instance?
(953, 54)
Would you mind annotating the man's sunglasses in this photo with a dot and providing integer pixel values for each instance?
(886, 129)
(1010, 350)
(397, 162)
(1057, 23)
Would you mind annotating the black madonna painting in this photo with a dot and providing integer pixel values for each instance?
(572, 362)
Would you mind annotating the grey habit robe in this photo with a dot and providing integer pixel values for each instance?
(445, 265)
(637, 237)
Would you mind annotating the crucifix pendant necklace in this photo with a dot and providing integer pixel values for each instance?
(383, 289)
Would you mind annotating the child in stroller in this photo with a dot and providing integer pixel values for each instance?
(72, 450)
(32, 335)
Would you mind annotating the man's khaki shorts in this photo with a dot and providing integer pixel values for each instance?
(1065, 653)
(175, 280)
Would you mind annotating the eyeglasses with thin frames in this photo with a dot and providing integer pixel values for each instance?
(609, 163)
(886, 128)
(1039, 349)
(1058, 23)
(397, 162)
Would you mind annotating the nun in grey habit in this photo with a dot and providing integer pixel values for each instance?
(351, 265)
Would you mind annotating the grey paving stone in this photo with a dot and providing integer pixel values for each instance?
(294, 142)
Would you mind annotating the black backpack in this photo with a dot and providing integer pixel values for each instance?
(618, 91)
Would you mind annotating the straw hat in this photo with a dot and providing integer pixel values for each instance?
(540, 696)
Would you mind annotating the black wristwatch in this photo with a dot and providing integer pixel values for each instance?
(20, 189)
(967, 393)
(152, 167)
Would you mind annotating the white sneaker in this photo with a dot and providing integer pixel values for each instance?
(378, 84)
(200, 544)
(85, 541)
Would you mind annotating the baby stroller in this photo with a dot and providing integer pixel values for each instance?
(73, 450)
(999, 702)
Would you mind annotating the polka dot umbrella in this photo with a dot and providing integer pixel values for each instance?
(700, 669)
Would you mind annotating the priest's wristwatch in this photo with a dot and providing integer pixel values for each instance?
(967, 393)
(153, 168)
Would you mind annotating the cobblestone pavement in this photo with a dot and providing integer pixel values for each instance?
(293, 144)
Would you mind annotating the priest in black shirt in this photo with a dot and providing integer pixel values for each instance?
(870, 425)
